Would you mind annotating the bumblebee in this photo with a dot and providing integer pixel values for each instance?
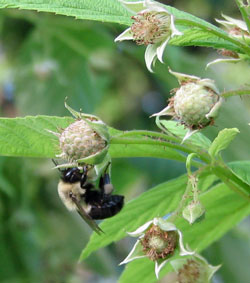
(77, 193)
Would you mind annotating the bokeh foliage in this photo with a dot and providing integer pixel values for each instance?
(46, 57)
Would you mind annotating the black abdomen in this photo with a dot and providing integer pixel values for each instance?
(109, 206)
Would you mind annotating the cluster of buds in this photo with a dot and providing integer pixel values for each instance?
(86, 140)
(195, 103)
(153, 26)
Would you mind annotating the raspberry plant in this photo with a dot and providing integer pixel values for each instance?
(214, 195)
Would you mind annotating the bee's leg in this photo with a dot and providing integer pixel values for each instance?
(105, 184)
(84, 177)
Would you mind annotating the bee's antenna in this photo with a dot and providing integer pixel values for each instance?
(106, 169)
(56, 164)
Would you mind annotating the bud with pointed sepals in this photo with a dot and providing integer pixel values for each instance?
(159, 240)
(195, 103)
(238, 29)
(235, 27)
(193, 211)
(153, 26)
(193, 269)
(86, 140)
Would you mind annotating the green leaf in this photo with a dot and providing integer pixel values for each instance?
(99, 10)
(222, 141)
(137, 212)
(158, 201)
(197, 139)
(241, 169)
(224, 209)
(28, 137)
(113, 11)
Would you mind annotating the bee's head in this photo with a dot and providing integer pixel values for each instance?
(71, 175)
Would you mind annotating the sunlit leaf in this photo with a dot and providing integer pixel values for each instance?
(177, 129)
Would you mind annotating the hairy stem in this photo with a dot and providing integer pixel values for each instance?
(150, 134)
(148, 141)
(180, 207)
(236, 92)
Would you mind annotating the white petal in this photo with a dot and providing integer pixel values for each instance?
(183, 77)
(231, 21)
(231, 60)
(54, 133)
(183, 251)
(188, 135)
(136, 252)
(165, 225)
(150, 56)
(140, 230)
(161, 48)
(133, 7)
(65, 165)
(158, 267)
(174, 30)
(165, 111)
(155, 6)
(214, 111)
(126, 35)
(208, 83)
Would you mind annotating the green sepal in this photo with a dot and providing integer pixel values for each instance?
(96, 158)
(93, 121)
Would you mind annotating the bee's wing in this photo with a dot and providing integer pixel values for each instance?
(87, 218)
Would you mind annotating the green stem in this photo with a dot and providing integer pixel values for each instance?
(243, 13)
(188, 163)
(118, 140)
(149, 134)
(146, 140)
(179, 208)
(166, 138)
(236, 92)
(221, 34)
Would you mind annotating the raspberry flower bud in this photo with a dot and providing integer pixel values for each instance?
(83, 141)
(193, 269)
(195, 103)
(236, 28)
(193, 211)
(153, 26)
(159, 240)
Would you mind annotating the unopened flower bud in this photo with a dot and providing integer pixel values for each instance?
(79, 141)
(193, 211)
(84, 141)
(236, 28)
(195, 103)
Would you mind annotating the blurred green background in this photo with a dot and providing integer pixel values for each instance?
(43, 59)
